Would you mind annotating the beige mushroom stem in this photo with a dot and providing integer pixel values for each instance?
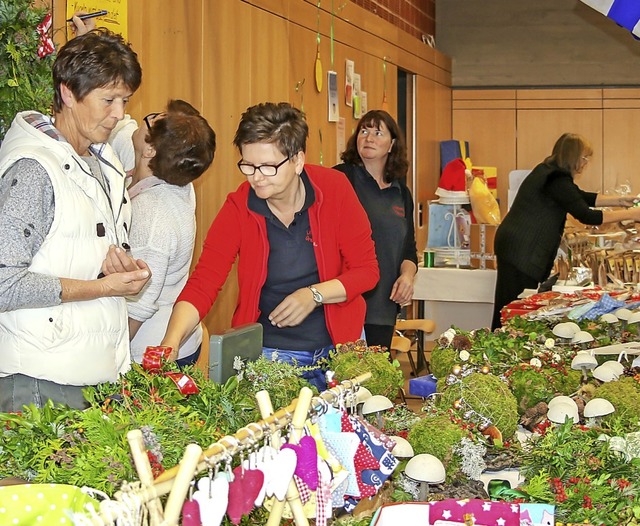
(423, 491)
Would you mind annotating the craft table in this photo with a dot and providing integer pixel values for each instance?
(454, 296)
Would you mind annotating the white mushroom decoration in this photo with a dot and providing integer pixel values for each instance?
(582, 337)
(559, 412)
(582, 361)
(560, 399)
(609, 317)
(623, 314)
(596, 408)
(564, 331)
(402, 449)
(377, 404)
(362, 394)
(605, 373)
(425, 469)
(634, 318)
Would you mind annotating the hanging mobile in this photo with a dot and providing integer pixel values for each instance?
(318, 64)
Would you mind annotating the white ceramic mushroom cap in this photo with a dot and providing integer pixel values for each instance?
(559, 413)
(362, 394)
(609, 317)
(561, 399)
(426, 468)
(623, 313)
(598, 407)
(634, 318)
(376, 403)
(582, 337)
(584, 359)
(605, 373)
(563, 330)
(614, 365)
(573, 326)
(402, 449)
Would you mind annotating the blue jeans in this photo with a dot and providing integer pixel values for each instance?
(303, 358)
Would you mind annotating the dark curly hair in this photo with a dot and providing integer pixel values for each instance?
(96, 59)
(397, 163)
(184, 143)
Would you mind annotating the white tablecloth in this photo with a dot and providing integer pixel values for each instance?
(451, 296)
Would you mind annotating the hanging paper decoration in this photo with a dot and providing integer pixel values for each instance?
(385, 104)
(46, 46)
(318, 64)
(625, 13)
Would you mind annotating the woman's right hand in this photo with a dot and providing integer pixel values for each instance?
(79, 26)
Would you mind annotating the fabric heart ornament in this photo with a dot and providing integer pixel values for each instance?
(307, 465)
(243, 491)
(261, 462)
(212, 497)
(281, 473)
(191, 513)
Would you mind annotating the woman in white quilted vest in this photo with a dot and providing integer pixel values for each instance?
(63, 204)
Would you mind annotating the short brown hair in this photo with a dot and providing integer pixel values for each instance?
(397, 164)
(568, 151)
(277, 123)
(96, 59)
(184, 143)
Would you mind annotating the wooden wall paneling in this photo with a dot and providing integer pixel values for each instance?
(490, 127)
(620, 149)
(167, 36)
(227, 91)
(538, 130)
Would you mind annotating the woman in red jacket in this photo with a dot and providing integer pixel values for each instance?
(303, 244)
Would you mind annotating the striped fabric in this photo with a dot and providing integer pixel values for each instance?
(625, 13)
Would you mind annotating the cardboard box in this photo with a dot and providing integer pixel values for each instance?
(481, 245)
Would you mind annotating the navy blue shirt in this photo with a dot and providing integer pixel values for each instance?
(390, 212)
(291, 266)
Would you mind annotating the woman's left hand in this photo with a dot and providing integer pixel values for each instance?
(294, 309)
(402, 290)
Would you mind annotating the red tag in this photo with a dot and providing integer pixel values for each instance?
(184, 383)
(154, 357)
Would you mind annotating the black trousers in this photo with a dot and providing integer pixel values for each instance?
(510, 282)
(379, 334)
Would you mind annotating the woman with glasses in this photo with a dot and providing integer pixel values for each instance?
(375, 161)
(302, 241)
(529, 236)
(172, 149)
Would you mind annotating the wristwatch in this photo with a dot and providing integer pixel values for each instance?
(317, 296)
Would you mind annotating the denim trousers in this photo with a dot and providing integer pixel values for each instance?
(303, 358)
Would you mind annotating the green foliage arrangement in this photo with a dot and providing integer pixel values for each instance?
(437, 435)
(68, 446)
(572, 468)
(280, 379)
(354, 358)
(624, 394)
(442, 360)
(487, 396)
(25, 78)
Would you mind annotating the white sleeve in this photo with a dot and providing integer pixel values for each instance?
(120, 141)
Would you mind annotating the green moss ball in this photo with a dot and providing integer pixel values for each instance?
(624, 394)
(488, 396)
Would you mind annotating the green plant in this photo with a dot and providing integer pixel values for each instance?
(355, 358)
(25, 78)
(572, 468)
(624, 394)
(483, 399)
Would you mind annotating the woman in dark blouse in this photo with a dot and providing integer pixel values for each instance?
(528, 238)
(375, 161)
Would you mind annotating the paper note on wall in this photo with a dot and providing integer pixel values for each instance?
(115, 19)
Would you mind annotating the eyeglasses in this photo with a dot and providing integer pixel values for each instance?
(268, 170)
(585, 159)
(148, 119)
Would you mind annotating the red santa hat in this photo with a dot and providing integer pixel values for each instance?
(453, 176)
